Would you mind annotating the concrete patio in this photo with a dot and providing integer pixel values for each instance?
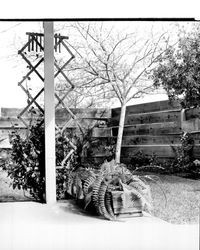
(31, 225)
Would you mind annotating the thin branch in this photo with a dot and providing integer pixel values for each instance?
(145, 69)
(116, 45)
(157, 44)
(87, 33)
(140, 93)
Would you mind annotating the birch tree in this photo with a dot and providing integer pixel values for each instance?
(114, 64)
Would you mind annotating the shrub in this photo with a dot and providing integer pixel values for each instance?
(183, 161)
(83, 156)
(26, 164)
(140, 161)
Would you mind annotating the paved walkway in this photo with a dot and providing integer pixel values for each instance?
(34, 226)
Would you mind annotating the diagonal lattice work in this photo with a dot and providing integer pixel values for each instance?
(34, 48)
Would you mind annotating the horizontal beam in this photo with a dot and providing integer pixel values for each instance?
(42, 35)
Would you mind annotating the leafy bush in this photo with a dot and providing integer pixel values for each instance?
(183, 162)
(83, 156)
(184, 153)
(61, 183)
(26, 165)
(141, 161)
(178, 69)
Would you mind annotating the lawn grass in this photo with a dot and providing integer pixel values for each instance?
(182, 199)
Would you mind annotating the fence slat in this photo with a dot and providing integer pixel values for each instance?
(152, 117)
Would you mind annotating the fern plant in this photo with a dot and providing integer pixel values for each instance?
(98, 187)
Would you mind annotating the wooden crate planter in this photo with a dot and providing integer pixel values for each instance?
(125, 206)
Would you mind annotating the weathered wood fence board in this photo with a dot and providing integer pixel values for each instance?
(9, 122)
(151, 127)
(147, 107)
(149, 140)
(156, 128)
(150, 117)
(86, 117)
(61, 112)
(102, 132)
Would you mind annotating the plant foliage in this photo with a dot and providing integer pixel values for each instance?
(95, 188)
(178, 70)
(144, 162)
(26, 164)
(183, 162)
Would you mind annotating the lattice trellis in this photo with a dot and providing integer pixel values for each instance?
(35, 45)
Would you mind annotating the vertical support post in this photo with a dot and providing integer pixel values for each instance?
(50, 169)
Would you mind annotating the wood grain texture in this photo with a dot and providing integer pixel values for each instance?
(161, 151)
(150, 129)
(151, 117)
(147, 107)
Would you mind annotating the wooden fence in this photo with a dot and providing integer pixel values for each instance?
(156, 128)
(9, 121)
(151, 127)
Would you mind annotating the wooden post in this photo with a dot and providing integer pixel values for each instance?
(50, 169)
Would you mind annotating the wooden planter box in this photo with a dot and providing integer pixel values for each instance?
(125, 205)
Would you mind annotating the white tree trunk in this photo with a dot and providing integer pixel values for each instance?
(120, 133)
